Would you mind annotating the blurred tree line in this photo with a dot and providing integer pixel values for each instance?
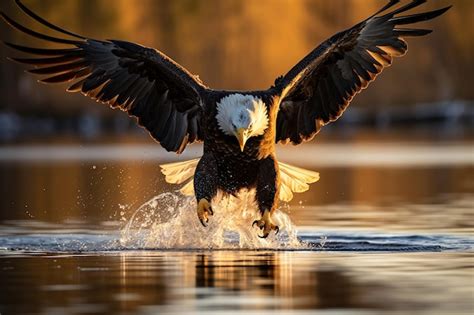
(245, 44)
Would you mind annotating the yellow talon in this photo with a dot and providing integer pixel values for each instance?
(204, 211)
(266, 225)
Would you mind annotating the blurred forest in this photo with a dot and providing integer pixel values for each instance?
(245, 44)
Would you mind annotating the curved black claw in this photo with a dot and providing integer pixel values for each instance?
(204, 223)
(265, 235)
(266, 227)
(204, 211)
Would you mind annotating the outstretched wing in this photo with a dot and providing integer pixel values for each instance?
(319, 89)
(142, 81)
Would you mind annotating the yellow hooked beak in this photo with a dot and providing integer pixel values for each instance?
(242, 137)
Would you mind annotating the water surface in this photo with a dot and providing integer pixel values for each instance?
(383, 233)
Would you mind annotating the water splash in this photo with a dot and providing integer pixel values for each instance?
(169, 221)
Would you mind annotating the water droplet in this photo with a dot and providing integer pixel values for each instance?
(169, 221)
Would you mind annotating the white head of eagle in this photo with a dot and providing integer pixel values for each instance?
(242, 116)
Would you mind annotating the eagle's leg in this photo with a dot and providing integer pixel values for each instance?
(267, 195)
(205, 186)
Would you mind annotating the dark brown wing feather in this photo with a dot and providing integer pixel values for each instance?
(319, 89)
(164, 97)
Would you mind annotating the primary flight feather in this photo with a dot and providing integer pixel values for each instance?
(239, 129)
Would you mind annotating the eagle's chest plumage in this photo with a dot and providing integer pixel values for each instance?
(237, 169)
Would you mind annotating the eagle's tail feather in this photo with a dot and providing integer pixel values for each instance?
(179, 172)
(188, 189)
(293, 179)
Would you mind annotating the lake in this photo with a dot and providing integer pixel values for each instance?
(92, 228)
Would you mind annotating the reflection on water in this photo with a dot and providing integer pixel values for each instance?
(391, 239)
(181, 282)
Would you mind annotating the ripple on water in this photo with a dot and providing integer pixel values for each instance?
(168, 222)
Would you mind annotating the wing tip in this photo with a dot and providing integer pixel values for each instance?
(439, 12)
(21, 28)
(44, 22)
(420, 17)
(8, 44)
(390, 4)
(445, 9)
(4, 17)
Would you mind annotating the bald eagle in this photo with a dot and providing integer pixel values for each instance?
(239, 129)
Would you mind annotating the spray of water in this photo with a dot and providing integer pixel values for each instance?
(169, 221)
